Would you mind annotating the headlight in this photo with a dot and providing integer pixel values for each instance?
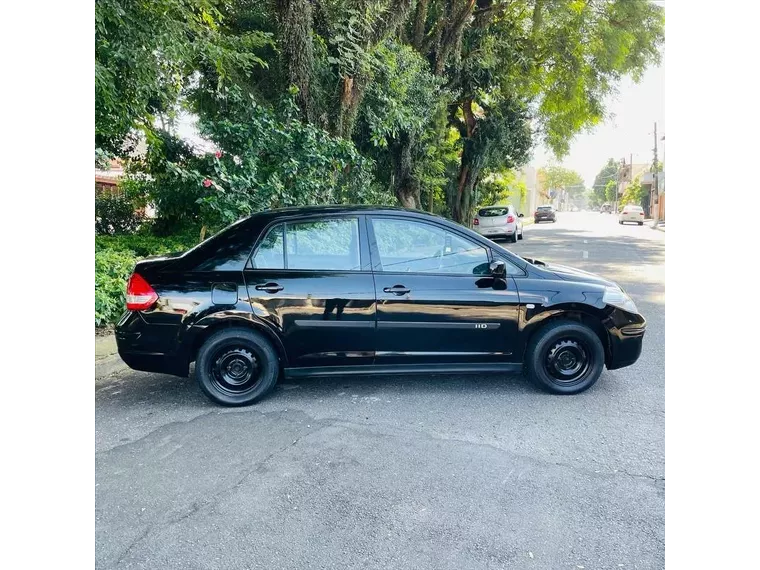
(615, 297)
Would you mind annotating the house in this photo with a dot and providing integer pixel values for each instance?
(107, 185)
(107, 181)
(647, 181)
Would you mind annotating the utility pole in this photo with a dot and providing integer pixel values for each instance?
(656, 213)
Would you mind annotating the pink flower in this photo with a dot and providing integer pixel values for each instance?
(207, 182)
(218, 154)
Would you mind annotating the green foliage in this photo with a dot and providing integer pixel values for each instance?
(146, 52)
(144, 245)
(271, 159)
(599, 191)
(115, 215)
(502, 188)
(610, 191)
(635, 193)
(561, 178)
(112, 269)
(403, 95)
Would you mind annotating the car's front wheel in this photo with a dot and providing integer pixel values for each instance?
(236, 367)
(565, 357)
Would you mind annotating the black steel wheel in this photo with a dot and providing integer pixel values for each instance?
(565, 357)
(236, 367)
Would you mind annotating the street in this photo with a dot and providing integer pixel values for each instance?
(438, 472)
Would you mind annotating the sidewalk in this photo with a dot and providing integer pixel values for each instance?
(107, 361)
(660, 226)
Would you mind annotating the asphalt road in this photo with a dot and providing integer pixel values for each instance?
(401, 472)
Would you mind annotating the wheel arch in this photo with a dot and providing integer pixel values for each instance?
(208, 327)
(591, 317)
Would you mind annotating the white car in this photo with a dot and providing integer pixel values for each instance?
(496, 222)
(631, 213)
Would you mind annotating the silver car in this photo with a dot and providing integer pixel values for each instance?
(497, 222)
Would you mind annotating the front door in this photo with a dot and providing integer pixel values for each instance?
(311, 280)
(436, 299)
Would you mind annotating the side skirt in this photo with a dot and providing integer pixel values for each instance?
(501, 368)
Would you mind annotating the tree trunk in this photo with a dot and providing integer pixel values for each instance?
(469, 167)
(351, 93)
(405, 185)
(296, 48)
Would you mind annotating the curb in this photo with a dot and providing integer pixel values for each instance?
(109, 366)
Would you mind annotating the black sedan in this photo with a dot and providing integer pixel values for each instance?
(322, 291)
(545, 214)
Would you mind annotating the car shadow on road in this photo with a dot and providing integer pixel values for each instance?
(140, 390)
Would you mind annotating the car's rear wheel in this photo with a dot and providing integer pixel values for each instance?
(513, 237)
(565, 357)
(236, 367)
(521, 234)
(641, 223)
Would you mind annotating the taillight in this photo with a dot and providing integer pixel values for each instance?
(140, 295)
(641, 213)
(625, 213)
(510, 219)
(476, 222)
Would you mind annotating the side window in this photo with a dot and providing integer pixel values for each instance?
(415, 247)
(328, 245)
(270, 254)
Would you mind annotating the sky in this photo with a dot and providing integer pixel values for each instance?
(633, 112)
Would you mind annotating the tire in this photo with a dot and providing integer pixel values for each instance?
(521, 234)
(641, 223)
(564, 357)
(237, 367)
(512, 238)
(620, 222)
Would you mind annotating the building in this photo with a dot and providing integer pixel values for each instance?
(529, 176)
(647, 181)
(107, 181)
(665, 197)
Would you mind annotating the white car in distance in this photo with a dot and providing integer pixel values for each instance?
(631, 213)
(496, 222)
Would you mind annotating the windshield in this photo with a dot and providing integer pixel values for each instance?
(544, 207)
(493, 212)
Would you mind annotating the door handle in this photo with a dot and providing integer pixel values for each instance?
(397, 290)
(270, 287)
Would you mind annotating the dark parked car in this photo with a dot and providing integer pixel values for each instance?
(330, 290)
(545, 214)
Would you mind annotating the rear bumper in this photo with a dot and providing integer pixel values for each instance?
(498, 231)
(149, 347)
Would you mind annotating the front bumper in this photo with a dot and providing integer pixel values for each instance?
(626, 343)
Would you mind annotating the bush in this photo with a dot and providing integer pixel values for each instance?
(144, 245)
(115, 215)
(112, 269)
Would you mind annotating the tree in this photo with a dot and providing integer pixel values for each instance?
(610, 191)
(560, 178)
(549, 62)
(599, 191)
(635, 193)
(146, 52)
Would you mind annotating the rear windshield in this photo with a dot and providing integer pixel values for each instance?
(635, 208)
(544, 207)
(493, 212)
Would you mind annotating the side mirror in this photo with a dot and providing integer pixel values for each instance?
(519, 215)
(498, 268)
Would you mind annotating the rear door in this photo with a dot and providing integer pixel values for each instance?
(311, 279)
(436, 299)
